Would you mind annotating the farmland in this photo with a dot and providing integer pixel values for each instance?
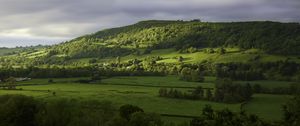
(143, 92)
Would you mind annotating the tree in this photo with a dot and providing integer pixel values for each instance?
(292, 112)
(11, 83)
(209, 95)
(148, 50)
(196, 20)
(199, 122)
(210, 50)
(198, 93)
(50, 81)
(257, 88)
(180, 59)
(208, 112)
(221, 51)
(92, 61)
(145, 119)
(196, 76)
(118, 59)
(248, 92)
(185, 74)
(127, 110)
(163, 92)
(17, 110)
(229, 92)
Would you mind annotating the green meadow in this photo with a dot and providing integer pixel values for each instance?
(143, 92)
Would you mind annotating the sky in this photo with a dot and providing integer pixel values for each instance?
(32, 22)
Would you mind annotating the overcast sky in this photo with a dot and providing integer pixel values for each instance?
(31, 22)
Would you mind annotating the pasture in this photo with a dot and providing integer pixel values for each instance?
(143, 92)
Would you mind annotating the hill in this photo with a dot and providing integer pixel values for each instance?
(271, 37)
(194, 40)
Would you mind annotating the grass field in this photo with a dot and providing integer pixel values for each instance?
(269, 83)
(143, 92)
(267, 106)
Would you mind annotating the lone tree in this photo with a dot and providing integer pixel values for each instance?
(221, 51)
(96, 76)
(180, 59)
(127, 110)
(118, 60)
(292, 112)
(11, 83)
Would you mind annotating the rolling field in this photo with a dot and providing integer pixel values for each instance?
(143, 92)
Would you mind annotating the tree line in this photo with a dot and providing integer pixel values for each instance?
(19, 110)
(225, 91)
(280, 70)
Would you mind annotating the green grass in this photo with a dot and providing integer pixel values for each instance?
(143, 92)
(170, 81)
(145, 97)
(267, 106)
(269, 83)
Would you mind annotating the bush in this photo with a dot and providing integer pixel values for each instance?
(17, 110)
(127, 110)
(69, 112)
(144, 119)
(229, 92)
(292, 112)
(50, 81)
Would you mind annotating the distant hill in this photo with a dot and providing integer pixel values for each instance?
(271, 37)
(10, 51)
(195, 41)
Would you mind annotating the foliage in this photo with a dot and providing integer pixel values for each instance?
(127, 110)
(145, 119)
(188, 74)
(17, 110)
(226, 117)
(292, 112)
(229, 92)
(196, 94)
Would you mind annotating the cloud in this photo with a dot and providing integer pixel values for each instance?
(58, 20)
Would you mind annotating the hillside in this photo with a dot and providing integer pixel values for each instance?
(161, 66)
(195, 41)
(271, 37)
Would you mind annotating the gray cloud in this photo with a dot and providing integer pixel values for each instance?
(24, 21)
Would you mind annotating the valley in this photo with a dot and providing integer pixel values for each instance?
(175, 69)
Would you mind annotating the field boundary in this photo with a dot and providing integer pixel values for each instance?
(181, 116)
(26, 85)
(138, 85)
